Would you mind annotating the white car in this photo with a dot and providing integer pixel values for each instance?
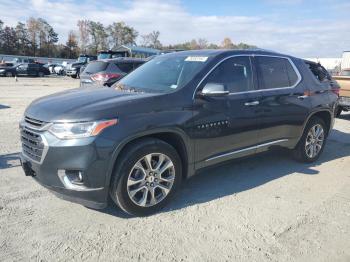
(59, 69)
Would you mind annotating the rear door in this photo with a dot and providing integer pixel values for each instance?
(283, 107)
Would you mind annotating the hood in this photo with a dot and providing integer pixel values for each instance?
(77, 64)
(83, 105)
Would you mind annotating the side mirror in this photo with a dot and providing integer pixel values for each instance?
(214, 89)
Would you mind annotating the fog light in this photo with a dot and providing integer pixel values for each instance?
(72, 179)
(75, 176)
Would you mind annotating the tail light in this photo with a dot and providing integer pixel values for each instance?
(103, 77)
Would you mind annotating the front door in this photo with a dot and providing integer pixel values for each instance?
(226, 126)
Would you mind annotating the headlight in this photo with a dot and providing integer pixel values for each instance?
(2, 70)
(80, 130)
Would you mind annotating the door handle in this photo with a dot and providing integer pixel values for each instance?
(254, 103)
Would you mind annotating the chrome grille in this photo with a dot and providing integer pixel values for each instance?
(32, 144)
(34, 122)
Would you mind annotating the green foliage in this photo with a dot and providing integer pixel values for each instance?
(37, 37)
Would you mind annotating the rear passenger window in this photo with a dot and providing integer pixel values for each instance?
(125, 67)
(319, 72)
(275, 72)
(234, 73)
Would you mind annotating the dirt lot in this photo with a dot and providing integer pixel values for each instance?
(266, 208)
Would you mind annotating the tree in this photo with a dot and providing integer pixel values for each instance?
(245, 46)
(33, 28)
(84, 35)
(22, 43)
(1, 30)
(121, 34)
(8, 36)
(202, 43)
(152, 40)
(72, 45)
(227, 44)
(98, 36)
(52, 39)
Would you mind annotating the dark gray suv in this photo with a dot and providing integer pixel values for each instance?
(108, 71)
(172, 116)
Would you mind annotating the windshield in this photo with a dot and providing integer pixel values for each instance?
(163, 74)
(345, 73)
(82, 59)
(95, 67)
(104, 56)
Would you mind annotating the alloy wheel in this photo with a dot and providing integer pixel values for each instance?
(151, 179)
(314, 141)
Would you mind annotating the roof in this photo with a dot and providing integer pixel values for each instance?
(123, 59)
(142, 49)
(215, 52)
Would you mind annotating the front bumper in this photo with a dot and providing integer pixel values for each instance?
(72, 72)
(83, 155)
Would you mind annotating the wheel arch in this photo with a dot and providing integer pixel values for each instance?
(325, 115)
(177, 139)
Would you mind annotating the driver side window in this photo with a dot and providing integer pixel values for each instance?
(234, 73)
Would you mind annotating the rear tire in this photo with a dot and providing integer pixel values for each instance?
(312, 142)
(41, 74)
(146, 177)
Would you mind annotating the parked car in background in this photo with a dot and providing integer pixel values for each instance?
(343, 80)
(108, 54)
(174, 115)
(60, 69)
(106, 72)
(22, 60)
(32, 69)
(7, 69)
(73, 69)
(51, 68)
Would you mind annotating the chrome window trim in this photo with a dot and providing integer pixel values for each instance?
(296, 70)
(246, 149)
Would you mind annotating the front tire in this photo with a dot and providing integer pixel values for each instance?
(146, 177)
(312, 142)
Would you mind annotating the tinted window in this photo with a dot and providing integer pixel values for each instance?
(319, 72)
(95, 67)
(275, 72)
(125, 67)
(234, 73)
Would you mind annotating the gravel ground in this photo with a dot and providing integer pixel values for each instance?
(265, 208)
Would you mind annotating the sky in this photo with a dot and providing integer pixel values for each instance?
(304, 28)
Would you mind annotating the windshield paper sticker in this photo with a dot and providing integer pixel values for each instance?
(196, 58)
